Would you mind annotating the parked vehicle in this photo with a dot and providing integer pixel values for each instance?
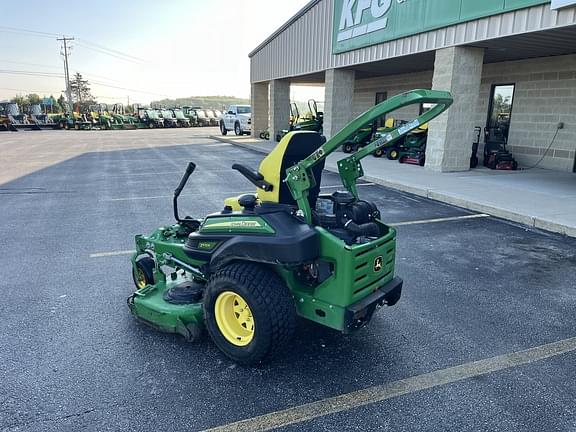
(238, 118)
(169, 118)
(182, 120)
(213, 120)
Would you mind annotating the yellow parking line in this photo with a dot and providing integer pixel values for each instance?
(395, 389)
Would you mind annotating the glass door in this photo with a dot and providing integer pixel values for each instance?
(499, 113)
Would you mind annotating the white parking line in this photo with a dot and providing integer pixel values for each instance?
(340, 186)
(109, 254)
(379, 393)
(447, 219)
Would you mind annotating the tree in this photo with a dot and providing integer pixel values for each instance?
(81, 96)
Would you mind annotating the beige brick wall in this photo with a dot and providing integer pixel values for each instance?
(366, 89)
(545, 95)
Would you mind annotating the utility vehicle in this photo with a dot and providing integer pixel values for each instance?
(247, 271)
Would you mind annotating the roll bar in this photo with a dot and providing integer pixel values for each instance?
(299, 177)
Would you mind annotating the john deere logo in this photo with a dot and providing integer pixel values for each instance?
(378, 264)
(362, 17)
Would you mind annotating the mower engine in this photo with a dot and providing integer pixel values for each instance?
(351, 220)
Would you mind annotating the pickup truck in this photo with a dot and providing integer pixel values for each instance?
(237, 118)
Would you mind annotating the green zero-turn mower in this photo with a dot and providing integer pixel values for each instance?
(314, 121)
(248, 271)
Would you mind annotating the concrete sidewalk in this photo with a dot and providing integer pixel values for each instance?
(537, 198)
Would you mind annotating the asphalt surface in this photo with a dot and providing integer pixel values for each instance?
(73, 359)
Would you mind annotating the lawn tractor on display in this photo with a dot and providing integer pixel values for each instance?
(248, 271)
(181, 119)
(213, 120)
(167, 115)
(121, 117)
(5, 123)
(41, 119)
(147, 118)
(314, 121)
(101, 118)
(367, 135)
(17, 119)
(265, 134)
(412, 150)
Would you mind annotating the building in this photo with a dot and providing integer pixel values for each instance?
(510, 64)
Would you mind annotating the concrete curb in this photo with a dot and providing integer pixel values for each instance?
(530, 221)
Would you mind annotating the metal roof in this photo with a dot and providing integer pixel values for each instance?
(303, 46)
(287, 24)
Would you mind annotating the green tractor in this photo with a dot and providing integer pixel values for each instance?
(367, 135)
(246, 272)
(313, 121)
(412, 150)
(5, 123)
(120, 116)
(147, 118)
(101, 118)
(71, 120)
(181, 119)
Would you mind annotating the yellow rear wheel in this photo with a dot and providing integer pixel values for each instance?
(234, 318)
(249, 312)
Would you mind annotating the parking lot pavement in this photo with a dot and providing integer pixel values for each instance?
(72, 358)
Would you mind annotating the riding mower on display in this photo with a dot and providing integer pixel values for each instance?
(148, 118)
(313, 122)
(413, 149)
(17, 119)
(190, 113)
(265, 135)
(496, 156)
(366, 136)
(40, 118)
(119, 115)
(100, 118)
(212, 118)
(5, 123)
(169, 118)
(181, 119)
(247, 271)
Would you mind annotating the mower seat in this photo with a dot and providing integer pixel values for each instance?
(294, 147)
(421, 129)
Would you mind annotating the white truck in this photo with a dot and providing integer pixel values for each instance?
(237, 118)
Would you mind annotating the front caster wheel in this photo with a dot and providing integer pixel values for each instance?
(143, 272)
(249, 312)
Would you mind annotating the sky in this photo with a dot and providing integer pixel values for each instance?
(170, 48)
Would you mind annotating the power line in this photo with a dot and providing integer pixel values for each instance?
(5, 29)
(82, 42)
(112, 51)
(30, 64)
(31, 73)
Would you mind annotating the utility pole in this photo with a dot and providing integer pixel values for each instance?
(64, 40)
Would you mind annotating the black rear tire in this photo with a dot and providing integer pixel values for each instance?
(223, 129)
(348, 148)
(237, 129)
(271, 306)
(378, 153)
